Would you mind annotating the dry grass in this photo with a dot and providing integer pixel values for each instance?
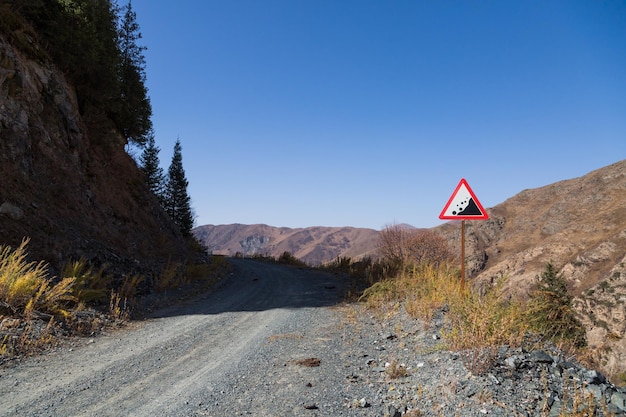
(119, 310)
(395, 370)
(25, 286)
(474, 320)
(174, 275)
(32, 299)
(170, 277)
(578, 402)
(90, 286)
(485, 320)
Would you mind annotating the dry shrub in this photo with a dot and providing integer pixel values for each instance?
(402, 246)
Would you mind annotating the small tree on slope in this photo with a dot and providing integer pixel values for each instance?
(551, 311)
(150, 165)
(177, 201)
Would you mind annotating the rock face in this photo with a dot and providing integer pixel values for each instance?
(313, 245)
(66, 183)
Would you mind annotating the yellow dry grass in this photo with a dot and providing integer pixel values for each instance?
(474, 320)
(25, 286)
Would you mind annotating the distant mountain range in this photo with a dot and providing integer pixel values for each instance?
(313, 245)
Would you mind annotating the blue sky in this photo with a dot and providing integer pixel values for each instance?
(365, 113)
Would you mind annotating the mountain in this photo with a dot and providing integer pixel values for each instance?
(313, 245)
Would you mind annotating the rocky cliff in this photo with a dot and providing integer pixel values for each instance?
(66, 182)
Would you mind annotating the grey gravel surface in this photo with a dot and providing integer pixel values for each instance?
(278, 341)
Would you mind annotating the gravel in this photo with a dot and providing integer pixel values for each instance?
(278, 341)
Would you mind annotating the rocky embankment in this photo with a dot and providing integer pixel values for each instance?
(415, 376)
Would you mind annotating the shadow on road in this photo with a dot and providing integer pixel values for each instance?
(259, 286)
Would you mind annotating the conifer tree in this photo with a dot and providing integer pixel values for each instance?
(551, 310)
(150, 165)
(135, 110)
(177, 201)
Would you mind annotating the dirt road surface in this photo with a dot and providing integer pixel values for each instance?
(233, 351)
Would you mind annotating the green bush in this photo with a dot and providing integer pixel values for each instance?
(550, 310)
(287, 258)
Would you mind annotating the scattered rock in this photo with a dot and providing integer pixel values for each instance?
(11, 211)
(9, 323)
(310, 406)
(308, 362)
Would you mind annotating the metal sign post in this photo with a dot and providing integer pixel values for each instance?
(462, 253)
(463, 205)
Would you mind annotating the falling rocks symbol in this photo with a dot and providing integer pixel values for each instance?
(470, 210)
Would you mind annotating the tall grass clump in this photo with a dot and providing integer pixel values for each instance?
(486, 319)
(25, 286)
(424, 289)
(89, 285)
(19, 279)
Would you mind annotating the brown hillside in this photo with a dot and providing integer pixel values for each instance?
(580, 226)
(313, 245)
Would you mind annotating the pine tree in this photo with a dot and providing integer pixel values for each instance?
(135, 110)
(150, 165)
(551, 311)
(177, 201)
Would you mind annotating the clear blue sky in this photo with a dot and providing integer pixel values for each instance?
(364, 113)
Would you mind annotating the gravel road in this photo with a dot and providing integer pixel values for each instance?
(232, 351)
(277, 341)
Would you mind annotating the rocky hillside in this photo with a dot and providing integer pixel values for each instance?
(580, 226)
(313, 245)
(66, 182)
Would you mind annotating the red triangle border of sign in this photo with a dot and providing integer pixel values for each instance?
(484, 216)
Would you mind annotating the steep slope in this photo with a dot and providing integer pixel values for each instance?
(580, 226)
(66, 182)
(314, 245)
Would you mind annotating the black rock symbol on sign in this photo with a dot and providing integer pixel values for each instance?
(467, 207)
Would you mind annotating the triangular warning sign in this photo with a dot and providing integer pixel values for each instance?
(463, 205)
